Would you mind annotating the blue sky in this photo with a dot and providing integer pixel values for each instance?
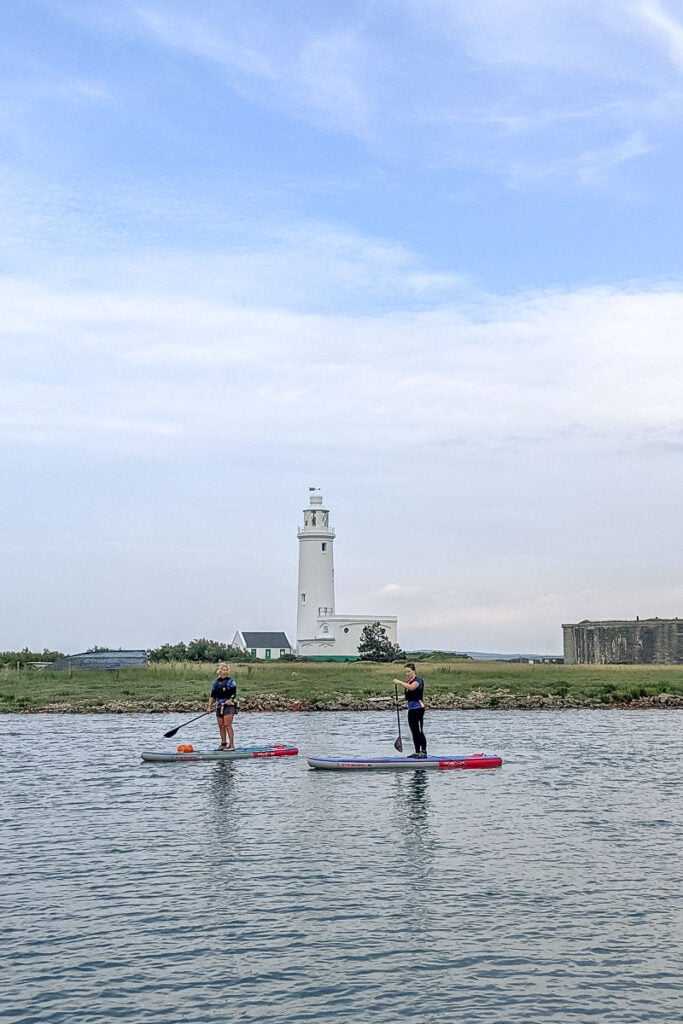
(425, 256)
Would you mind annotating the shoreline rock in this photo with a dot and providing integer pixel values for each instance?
(476, 700)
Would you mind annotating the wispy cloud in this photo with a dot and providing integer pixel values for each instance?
(204, 33)
(447, 85)
(658, 18)
(251, 253)
(316, 68)
(592, 167)
(34, 87)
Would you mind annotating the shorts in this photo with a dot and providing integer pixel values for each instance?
(226, 710)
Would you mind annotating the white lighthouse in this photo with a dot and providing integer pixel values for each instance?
(316, 568)
(320, 631)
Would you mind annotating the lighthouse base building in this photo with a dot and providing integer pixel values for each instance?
(320, 632)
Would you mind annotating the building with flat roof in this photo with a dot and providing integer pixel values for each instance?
(624, 642)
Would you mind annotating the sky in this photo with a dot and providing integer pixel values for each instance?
(425, 256)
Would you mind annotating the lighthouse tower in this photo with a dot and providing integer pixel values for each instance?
(316, 569)
(320, 632)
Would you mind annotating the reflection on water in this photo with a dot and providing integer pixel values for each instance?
(413, 804)
(547, 891)
(222, 780)
(223, 803)
(418, 788)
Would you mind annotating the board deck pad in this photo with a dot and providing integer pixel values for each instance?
(442, 762)
(238, 754)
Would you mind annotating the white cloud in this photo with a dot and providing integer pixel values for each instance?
(396, 589)
(505, 437)
(531, 368)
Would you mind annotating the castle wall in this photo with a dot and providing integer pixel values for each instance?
(639, 642)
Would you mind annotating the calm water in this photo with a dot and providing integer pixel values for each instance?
(549, 890)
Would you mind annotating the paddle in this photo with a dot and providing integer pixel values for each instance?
(172, 732)
(398, 743)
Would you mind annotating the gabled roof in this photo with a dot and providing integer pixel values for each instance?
(266, 639)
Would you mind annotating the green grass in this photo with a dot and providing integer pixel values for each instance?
(320, 682)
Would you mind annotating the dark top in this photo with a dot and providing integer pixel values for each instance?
(414, 697)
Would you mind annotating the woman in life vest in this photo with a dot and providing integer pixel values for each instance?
(223, 694)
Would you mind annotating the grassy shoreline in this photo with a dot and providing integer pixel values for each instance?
(301, 686)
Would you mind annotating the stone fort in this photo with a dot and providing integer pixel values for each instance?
(624, 642)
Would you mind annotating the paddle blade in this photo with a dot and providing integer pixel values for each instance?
(171, 732)
(398, 745)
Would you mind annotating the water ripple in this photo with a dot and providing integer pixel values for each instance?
(549, 890)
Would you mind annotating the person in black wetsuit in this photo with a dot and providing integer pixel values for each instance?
(414, 692)
(223, 694)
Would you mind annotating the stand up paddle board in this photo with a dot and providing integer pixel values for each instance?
(439, 761)
(239, 753)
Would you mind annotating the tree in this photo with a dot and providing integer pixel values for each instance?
(169, 652)
(26, 657)
(200, 650)
(375, 645)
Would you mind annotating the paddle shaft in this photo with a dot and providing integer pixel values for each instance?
(398, 743)
(172, 732)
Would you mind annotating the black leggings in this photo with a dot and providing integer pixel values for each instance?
(415, 717)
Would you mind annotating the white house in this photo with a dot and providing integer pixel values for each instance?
(266, 646)
(320, 632)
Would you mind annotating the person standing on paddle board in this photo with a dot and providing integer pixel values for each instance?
(414, 692)
(223, 693)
